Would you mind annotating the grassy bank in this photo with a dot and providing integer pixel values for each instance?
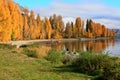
(33, 62)
(16, 64)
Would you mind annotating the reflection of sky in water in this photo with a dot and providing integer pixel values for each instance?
(114, 50)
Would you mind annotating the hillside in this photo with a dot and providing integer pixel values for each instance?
(118, 34)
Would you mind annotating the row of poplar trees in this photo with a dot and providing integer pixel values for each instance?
(18, 23)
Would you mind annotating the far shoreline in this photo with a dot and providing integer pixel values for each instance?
(26, 42)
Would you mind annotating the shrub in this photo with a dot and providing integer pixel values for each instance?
(54, 56)
(36, 52)
(111, 72)
(30, 53)
(102, 66)
(42, 51)
(92, 64)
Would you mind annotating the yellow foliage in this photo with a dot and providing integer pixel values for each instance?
(41, 51)
(18, 26)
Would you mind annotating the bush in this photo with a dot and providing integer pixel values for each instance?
(103, 66)
(30, 53)
(92, 64)
(54, 56)
(111, 72)
(36, 52)
(42, 51)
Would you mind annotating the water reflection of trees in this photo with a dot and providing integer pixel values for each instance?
(96, 46)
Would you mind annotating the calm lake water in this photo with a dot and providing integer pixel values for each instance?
(111, 46)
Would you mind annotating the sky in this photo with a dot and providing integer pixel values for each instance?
(106, 12)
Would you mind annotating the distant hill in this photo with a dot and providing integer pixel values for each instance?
(116, 30)
(117, 33)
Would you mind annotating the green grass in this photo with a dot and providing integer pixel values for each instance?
(15, 65)
(54, 56)
(23, 64)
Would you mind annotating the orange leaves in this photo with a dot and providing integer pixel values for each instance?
(78, 23)
(78, 26)
(18, 24)
(57, 26)
(89, 34)
(68, 30)
(48, 28)
(5, 22)
(98, 30)
(11, 6)
(82, 29)
(16, 20)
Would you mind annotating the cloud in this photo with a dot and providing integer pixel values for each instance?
(109, 22)
(106, 15)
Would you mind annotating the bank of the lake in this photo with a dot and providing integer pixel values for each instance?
(15, 64)
(25, 42)
(25, 64)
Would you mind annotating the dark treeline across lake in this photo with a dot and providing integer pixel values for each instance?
(111, 46)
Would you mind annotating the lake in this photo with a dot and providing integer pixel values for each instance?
(110, 46)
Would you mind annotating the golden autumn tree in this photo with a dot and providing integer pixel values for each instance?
(78, 27)
(43, 30)
(38, 26)
(57, 26)
(60, 27)
(48, 28)
(72, 26)
(89, 34)
(82, 29)
(17, 22)
(98, 31)
(31, 25)
(74, 31)
(90, 25)
(68, 30)
(34, 28)
(53, 22)
(26, 29)
(5, 22)
(112, 33)
(104, 29)
(61, 24)
(108, 32)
